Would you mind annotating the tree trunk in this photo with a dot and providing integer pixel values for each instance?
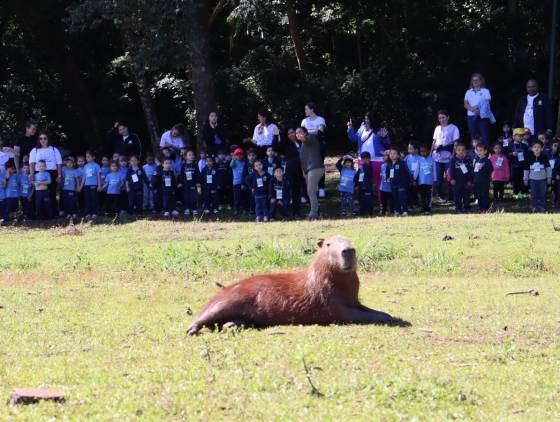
(558, 121)
(296, 37)
(359, 50)
(201, 69)
(147, 103)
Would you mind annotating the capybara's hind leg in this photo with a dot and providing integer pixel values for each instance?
(217, 314)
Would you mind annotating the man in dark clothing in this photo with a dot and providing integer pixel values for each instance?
(534, 111)
(26, 141)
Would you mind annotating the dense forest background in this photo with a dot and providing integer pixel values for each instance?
(78, 66)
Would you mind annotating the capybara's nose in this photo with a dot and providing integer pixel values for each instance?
(348, 252)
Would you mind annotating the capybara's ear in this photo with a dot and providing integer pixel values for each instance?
(320, 242)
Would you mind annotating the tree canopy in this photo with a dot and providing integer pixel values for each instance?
(77, 66)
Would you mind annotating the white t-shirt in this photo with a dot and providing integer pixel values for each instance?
(529, 116)
(176, 142)
(445, 136)
(50, 155)
(474, 98)
(313, 125)
(263, 135)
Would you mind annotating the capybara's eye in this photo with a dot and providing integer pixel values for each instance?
(328, 244)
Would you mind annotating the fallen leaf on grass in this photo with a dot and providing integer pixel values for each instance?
(425, 330)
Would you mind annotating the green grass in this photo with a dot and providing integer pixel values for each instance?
(101, 313)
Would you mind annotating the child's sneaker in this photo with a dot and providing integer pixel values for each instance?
(69, 216)
(265, 219)
(175, 213)
(228, 207)
(322, 193)
(216, 211)
(303, 200)
(61, 214)
(187, 212)
(94, 217)
(195, 213)
(166, 214)
(405, 214)
(397, 214)
(258, 219)
(206, 212)
(75, 216)
(88, 216)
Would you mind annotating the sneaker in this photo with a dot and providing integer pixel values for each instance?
(61, 214)
(216, 211)
(258, 219)
(220, 207)
(175, 213)
(194, 213)
(74, 216)
(69, 216)
(303, 200)
(228, 207)
(94, 217)
(187, 212)
(397, 214)
(88, 216)
(265, 219)
(322, 193)
(166, 214)
(206, 212)
(439, 200)
(405, 214)
(426, 213)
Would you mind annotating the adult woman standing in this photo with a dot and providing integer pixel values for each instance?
(26, 141)
(369, 138)
(123, 142)
(288, 149)
(263, 133)
(53, 160)
(445, 136)
(214, 134)
(477, 103)
(312, 165)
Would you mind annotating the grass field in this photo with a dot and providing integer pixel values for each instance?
(100, 312)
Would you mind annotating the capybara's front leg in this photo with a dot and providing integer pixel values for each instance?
(363, 314)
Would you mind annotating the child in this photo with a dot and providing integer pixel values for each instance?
(385, 188)
(546, 139)
(364, 181)
(556, 181)
(554, 161)
(425, 179)
(123, 170)
(223, 174)
(500, 172)
(91, 185)
(70, 182)
(412, 160)
(114, 182)
(190, 183)
(166, 182)
(538, 175)
(461, 176)
(279, 194)
(505, 140)
(42, 180)
(202, 161)
(271, 162)
(149, 168)
(471, 154)
(3, 207)
(346, 187)
(26, 192)
(399, 178)
(482, 176)
(239, 172)
(135, 181)
(81, 162)
(251, 158)
(258, 183)
(11, 188)
(105, 170)
(210, 186)
(517, 155)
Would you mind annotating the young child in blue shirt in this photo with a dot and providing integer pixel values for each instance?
(189, 182)
(385, 190)
(258, 183)
(91, 185)
(412, 161)
(482, 177)
(114, 182)
(42, 180)
(135, 181)
(346, 186)
(538, 176)
(81, 162)
(554, 163)
(123, 170)
(425, 179)
(166, 181)
(105, 170)
(239, 172)
(26, 192)
(400, 180)
(364, 181)
(11, 185)
(461, 176)
(149, 168)
(210, 185)
(70, 182)
(3, 207)
(279, 194)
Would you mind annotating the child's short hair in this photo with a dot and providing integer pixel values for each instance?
(134, 156)
(460, 144)
(496, 144)
(166, 159)
(251, 151)
(209, 157)
(41, 162)
(114, 163)
(394, 148)
(10, 164)
(91, 153)
(222, 151)
(159, 157)
(481, 145)
(413, 144)
(537, 142)
(364, 155)
(423, 146)
(258, 160)
(149, 155)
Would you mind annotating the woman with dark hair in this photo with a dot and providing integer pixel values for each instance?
(123, 142)
(26, 141)
(288, 148)
(263, 133)
(313, 167)
(175, 138)
(477, 103)
(445, 136)
(374, 140)
(53, 160)
(214, 134)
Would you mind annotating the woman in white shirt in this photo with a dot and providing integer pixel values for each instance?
(263, 133)
(53, 160)
(476, 94)
(176, 138)
(315, 124)
(445, 136)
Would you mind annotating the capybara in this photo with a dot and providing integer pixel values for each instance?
(324, 293)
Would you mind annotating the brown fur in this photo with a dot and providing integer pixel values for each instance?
(325, 292)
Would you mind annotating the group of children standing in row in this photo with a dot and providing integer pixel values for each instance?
(407, 180)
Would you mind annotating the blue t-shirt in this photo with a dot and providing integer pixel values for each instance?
(43, 177)
(385, 185)
(12, 187)
(103, 172)
(114, 182)
(91, 171)
(149, 170)
(70, 178)
(346, 180)
(24, 185)
(426, 171)
(412, 161)
(123, 171)
(238, 170)
(80, 172)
